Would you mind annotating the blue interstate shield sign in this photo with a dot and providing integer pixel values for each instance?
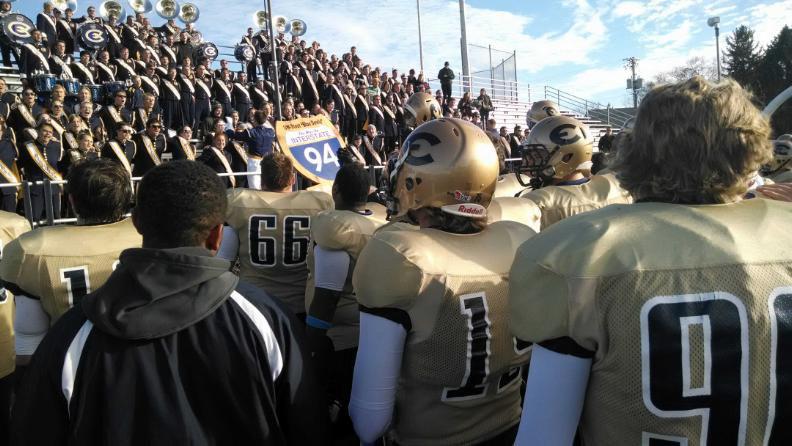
(312, 144)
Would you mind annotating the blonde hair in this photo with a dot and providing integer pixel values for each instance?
(693, 142)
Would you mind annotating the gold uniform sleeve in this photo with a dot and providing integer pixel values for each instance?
(384, 277)
(11, 227)
(537, 297)
(342, 230)
(514, 209)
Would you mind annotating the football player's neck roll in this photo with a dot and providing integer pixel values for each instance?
(277, 173)
(351, 188)
(694, 142)
(99, 191)
(167, 218)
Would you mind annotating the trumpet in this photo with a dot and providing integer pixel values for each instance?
(298, 27)
(196, 37)
(189, 13)
(282, 25)
(112, 11)
(140, 6)
(167, 9)
(261, 19)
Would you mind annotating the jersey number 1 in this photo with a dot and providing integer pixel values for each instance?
(77, 283)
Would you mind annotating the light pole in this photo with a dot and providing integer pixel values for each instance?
(420, 41)
(274, 48)
(465, 64)
(713, 22)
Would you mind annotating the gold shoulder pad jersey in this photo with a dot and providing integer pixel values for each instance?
(11, 227)
(560, 202)
(515, 209)
(784, 176)
(508, 186)
(349, 232)
(60, 264)
(460, 375)
(274, 235)
(322, 187)
(686, 312)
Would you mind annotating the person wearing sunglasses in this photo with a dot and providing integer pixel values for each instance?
(150, 144)
(121, 148)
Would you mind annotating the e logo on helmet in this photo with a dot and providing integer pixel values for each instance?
(411, 144)
(566, 134)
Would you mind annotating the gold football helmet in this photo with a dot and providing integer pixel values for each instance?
(421, 107)
(445, 163)
(555, 148)
(782, 154)
(540, 110)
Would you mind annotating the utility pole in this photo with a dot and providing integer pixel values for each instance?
(465, 64)
(631, 63)
(420, 40)
(271, 26)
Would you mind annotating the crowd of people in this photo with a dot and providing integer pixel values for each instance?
(639, 300)
(158, 84)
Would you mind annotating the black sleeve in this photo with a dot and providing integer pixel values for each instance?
(301, 403)
(40, 414)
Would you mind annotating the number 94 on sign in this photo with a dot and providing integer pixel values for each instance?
(322, 161)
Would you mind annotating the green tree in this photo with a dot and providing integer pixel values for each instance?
(775, 75)
(743, 57)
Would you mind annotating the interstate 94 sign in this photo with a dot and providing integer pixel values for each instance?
(312, 144)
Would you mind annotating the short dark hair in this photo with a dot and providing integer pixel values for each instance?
(276, 171)
(352, 183)
(178, 203)
(101, 190)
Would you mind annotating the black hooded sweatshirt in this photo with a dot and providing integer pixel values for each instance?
(172, 350)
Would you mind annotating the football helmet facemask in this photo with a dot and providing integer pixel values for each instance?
(540, 110)
(445, 163)
(782, 154)
(556, 147)
(421, 107)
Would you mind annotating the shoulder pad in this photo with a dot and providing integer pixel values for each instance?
(344, 230)
(515, 209)
(384, 278)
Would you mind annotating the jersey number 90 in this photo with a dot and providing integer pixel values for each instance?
(719, 392)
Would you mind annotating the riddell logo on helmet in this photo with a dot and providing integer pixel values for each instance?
(470, 210)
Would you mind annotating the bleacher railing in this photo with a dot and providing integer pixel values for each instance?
(586, 107)
(497, 89)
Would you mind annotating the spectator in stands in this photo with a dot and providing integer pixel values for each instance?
(485, 104)
(516, 138)
(605, 141)
(5, 9)
(446, 77)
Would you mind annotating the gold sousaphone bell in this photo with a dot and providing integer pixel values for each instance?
(112, 11)
(167, 9)
(62, 5)
(260, 19)
(141, 6)
(298, 27)
(281, 24)
(189, 13)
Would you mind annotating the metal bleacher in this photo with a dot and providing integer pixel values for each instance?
(511, 102)
(12, 78)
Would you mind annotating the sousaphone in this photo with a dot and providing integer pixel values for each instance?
(281, 24)
(298, 27)
(167, 9)
(140, 6)
(189, 13)
(112, 11)
(261, 19)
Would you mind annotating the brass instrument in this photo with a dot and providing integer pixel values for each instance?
(140, 6)
(62, 5)
(167, 9)
(196, 37)
(281, 24)
(189, 13)
(112, 11)
(298, 27)
(261, 19)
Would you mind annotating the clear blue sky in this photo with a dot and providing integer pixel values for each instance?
(575, 45)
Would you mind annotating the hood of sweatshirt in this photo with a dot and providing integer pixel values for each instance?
(157, 292)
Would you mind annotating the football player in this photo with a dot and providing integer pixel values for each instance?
(419, 108)
(669, 324)
(337, 238)
(553, 156)
(540, 110)
(11, 227)
(51, 268)
(509, 186)
(436, 362)
(269, 231)
(780, 168)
